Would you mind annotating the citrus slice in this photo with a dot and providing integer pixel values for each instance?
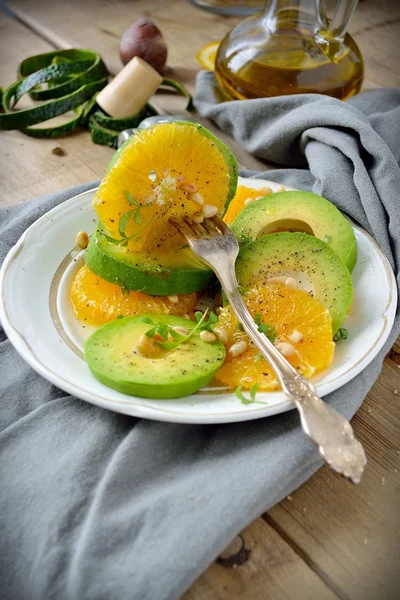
(207, 55)
(243, 193)
(98, 302)
(296, 319)
(171, 169)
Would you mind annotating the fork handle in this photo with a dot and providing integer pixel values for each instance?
(331, 432)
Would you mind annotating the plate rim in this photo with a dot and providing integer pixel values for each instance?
(129, 407)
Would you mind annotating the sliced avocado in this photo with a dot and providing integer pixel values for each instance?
(298, 211)
(112, 356)
(153, 272)
(310, 261)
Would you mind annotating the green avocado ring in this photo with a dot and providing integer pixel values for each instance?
(112, 356)
(299, 254)
(298, 211)
(149, 272)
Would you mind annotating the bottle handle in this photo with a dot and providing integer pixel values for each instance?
(337, 28)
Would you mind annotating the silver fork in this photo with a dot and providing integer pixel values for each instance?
(216, 245)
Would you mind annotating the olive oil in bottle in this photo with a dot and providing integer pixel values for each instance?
(290, 52)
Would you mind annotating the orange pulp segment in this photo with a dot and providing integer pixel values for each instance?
(162, 167)
(288, 311)
(98, 302)
(242, 194)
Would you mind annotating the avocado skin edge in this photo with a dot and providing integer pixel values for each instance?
(156, 391)
(132, 277)
(147, 378)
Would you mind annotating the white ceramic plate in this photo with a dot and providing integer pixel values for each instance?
(38, 319)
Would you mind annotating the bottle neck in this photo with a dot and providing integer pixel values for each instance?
(291, 13)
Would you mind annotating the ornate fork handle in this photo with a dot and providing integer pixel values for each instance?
(322, 424)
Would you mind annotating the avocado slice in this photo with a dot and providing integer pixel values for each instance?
(298, 211)
(154, 273)
(113, 359)
(314, 264)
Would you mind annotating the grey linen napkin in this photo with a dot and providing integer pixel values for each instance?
(96, 505)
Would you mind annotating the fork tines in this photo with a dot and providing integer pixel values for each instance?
(208, 228)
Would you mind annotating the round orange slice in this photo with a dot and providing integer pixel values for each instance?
(98, 302)
(207, 55)
(168, 170)
(296, 319)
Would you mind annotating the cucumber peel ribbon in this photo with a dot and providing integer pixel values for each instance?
(73, 78)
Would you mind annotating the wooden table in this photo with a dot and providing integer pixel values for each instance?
(330, 539)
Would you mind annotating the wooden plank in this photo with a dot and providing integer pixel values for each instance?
(28, 167)
(375, 26)
(101, 24)
(273, 571)
(351, 532)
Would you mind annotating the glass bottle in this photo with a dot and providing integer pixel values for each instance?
(291, 48)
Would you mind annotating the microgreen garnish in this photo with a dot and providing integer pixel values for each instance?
(242, 290)
(166, 331)
(266, 328)
(211, 321)
(269, 331)
(244, 239)
(252, 399)
(131, 199)
(342, 334)
(124, 221)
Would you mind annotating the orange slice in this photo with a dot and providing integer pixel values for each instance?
(207, 55)
(290, 312)
(243, 193)
(98, 302)
(168, 170)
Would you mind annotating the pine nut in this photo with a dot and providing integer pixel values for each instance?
(209, 210)
(147, 346)
(285, 349)
(173, 299)
(181, 330)
(296, 336)
(188, 186)
(197, 198)
(221, 334)
(82, 239)
(281, 188)
(265, 191)
(207, 336)
(291, 283)
(238, 348)
(249, 201)
(186, 316)
(198, 218)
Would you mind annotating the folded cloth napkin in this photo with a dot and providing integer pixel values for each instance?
(96, 505)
